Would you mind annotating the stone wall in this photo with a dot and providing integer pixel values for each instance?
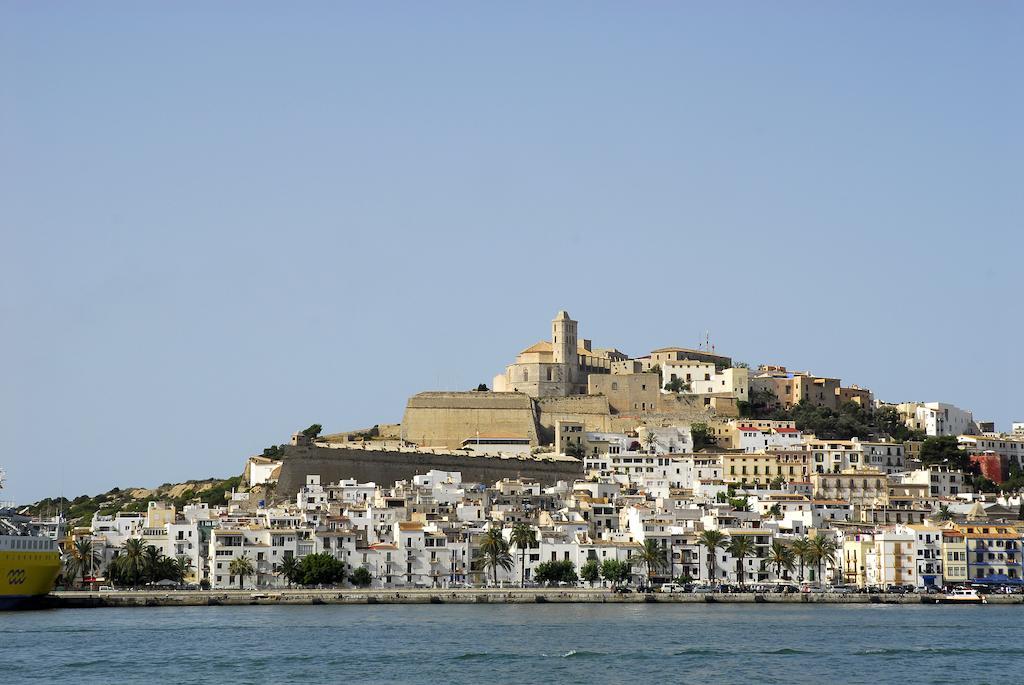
(386, 467)
(590, 410)
(447, 418)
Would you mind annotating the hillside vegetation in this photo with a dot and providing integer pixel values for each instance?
(80, 510)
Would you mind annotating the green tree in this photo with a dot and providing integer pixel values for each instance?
(361, 577)
(153, 564)
(289, 569)
(313, 431)
(677, 385)
(945, 450)
(131, 562)
(574, 451)
(741, 547)
(321, 569)
(711, 540)
(781, 557)
(823, 551)
(701, 436)
(550, 572)
(83, 560)
(241, 567)
(740, 503)
(183, 567)
(494, 552)
(650, 441)
(803, 549)
(944, 514)
(590, 571)
(615, 571)
(652, 555)
(523, 537)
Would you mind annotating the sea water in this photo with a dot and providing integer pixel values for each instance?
(536, 644)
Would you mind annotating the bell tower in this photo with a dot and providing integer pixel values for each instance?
(563, 343)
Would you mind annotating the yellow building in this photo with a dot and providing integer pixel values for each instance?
(954, 556)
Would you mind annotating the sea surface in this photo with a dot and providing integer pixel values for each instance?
(535, 643)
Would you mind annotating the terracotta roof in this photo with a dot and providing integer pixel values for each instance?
(542, 346)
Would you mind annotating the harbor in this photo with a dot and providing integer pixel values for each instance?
(298, 597)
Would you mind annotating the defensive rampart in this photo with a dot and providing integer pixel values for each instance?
(387, 466)
(447, 418)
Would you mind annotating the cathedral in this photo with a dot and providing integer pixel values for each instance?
(558, 368)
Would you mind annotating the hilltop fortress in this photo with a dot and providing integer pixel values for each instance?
(566, 379)
(555, 393)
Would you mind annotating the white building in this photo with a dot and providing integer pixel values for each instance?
(937, 418)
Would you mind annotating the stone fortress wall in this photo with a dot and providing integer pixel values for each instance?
(448, 418)
(387, 466)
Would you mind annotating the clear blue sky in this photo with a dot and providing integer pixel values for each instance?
(220, 225)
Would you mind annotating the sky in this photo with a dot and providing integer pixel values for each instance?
(221, 223)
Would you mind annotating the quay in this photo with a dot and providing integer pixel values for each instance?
(298, 597)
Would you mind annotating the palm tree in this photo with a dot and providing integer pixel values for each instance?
(241, 567)
(82, 560)
(802, 548)
(288, 569)
(132, 560)
(741, 547)
(652, 556)
(781, 556)
(153, 558)
(183, 567)
(523, 537)
(712, 540)
(823, 550)
(494, 549)
(944, 513)
(650, 441)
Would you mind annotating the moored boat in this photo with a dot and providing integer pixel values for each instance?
(960, 595)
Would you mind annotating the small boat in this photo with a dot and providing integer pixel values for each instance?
(961, 595)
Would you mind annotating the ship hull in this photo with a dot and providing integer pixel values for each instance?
(26, 577)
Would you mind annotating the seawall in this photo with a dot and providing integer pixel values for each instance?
(461, 596)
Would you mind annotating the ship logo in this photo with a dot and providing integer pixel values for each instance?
(16, 576)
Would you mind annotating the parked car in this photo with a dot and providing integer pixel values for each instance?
(671, 587)
(702, 588)
(622, 590)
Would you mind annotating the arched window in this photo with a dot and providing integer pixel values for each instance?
(549, 373)
(526, 374)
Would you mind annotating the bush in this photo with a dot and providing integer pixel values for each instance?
(361, 577)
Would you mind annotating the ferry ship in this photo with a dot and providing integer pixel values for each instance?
(29, 564)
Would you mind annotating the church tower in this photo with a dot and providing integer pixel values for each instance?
(563, 343)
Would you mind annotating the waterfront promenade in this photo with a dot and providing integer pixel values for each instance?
(151, 598)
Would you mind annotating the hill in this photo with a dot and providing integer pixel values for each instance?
(80, 510)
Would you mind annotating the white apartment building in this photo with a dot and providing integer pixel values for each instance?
(1010, 446)
(702, 378)
(941, 481)
(937, 418)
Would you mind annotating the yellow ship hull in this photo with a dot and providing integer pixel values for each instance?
(25, 575)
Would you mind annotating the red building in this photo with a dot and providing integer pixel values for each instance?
(995, 467)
